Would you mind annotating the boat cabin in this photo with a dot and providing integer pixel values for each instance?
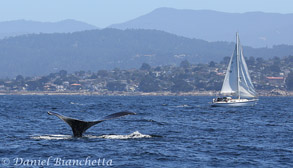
(223, 99)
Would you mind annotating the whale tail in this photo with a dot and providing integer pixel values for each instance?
(79, 127)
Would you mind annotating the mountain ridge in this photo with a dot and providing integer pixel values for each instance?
(21, 27)
(258, 29)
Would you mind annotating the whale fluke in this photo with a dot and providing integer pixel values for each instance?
(79, 127)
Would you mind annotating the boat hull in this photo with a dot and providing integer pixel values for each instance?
(235, 103)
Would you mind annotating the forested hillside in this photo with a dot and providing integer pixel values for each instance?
(32, 55)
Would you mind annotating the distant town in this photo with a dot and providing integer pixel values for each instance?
(270, 77)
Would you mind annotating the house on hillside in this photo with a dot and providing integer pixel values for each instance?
(276, 81)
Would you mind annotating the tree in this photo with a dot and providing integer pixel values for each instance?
(251, 61)
(289, 81)
(225, 60)
(145, 67)
(275, 68)
(277, 60)
(148, 84)
(116, 86)
(259, 60)
(34, 85)
(181, 86)
(289, 59)
(158, 68)
(103, 73)
(44, 80)
(212, 64)
(80, 73)
(71, 79)
(19, 78)
(58, 81)
(63, 73)
(184, 64)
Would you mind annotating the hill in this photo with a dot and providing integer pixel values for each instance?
(20, 27)
(40, 54)
(257, 29)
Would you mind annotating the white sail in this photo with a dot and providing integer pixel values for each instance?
(246, 87)
(229, 86)
(237, 81)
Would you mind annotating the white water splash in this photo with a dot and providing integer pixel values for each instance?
(52, 137)
(183, 106)
(77, 103)
(134, 135)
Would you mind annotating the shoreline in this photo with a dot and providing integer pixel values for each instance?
(118, 93)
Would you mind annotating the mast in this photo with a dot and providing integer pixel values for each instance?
(237, 62)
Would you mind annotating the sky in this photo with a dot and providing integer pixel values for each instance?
(103, 13)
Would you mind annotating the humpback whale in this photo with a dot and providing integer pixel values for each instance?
(79, 127)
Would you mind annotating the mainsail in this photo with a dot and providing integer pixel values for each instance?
(237, 80)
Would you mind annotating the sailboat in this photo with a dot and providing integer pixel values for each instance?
(237, 87)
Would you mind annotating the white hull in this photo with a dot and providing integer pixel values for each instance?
(235, 103)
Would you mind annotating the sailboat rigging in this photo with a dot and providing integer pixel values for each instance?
(237, 82)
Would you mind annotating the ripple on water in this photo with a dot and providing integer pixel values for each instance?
(189, 132)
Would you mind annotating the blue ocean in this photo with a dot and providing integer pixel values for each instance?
(165, 132)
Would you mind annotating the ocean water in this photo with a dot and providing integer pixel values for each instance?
(165, 132)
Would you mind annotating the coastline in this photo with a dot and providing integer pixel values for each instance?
(119, 93)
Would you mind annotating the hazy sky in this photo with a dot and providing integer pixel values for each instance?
(103, 13)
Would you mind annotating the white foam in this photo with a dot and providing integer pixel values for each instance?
(134, 135)
(183, 106)
(52, 137)
(76, 103)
